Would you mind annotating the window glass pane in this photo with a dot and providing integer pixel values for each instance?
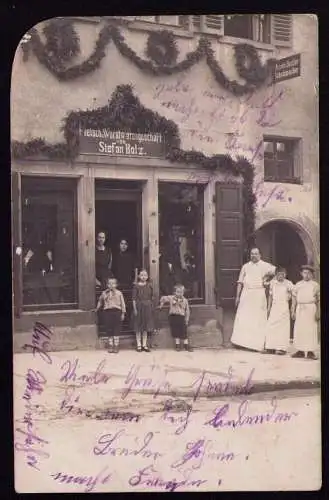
(171, 20)
(285, 169)
(238, 25)
(268, 148)
(270, 169)
(48, 243)
(181, 238)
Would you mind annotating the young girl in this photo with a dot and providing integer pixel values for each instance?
(179, 315)
(142, 297)
(305, 309)
(113, 305)
(278, 323)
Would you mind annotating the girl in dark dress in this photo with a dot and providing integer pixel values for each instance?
(143, 310)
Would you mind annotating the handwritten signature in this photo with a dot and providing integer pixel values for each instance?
(106, 445)
(68, 406)
(157, 382)
(149, 477)
(199, 450)
(223, 384)
(272, 416)
(35, 385)
(89, 481)
(97, 377)
(181, 419)
(40, 342)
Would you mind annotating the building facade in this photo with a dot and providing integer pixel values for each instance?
(137, 127)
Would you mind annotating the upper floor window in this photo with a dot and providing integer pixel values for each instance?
(252, 26)
(281, 160)
(275, 29)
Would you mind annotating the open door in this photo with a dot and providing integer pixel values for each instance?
(16, 235)
(229, 241)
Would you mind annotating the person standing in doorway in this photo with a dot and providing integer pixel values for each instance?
(278, 323)
(103, 261)
(305, 310)
(251, 316)
(124, 266)
(143, 307)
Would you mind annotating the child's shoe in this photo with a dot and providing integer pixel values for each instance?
(187, 347)
(178, 348)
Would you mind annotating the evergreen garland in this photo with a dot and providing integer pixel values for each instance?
(161, 48)
(248, 64)
(126, 113)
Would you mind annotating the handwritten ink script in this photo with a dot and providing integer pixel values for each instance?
(245, 418)
(149, 427)
(33, 445)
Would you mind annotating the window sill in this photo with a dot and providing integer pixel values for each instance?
(151, 26)
(232, 40)
(292, 180)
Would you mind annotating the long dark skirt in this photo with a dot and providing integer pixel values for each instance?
(177, 326)
(144, 322)
(112, 322)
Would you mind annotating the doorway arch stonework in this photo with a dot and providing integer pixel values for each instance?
(303, 226)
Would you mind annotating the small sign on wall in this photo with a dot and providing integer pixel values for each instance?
(120, 143)
(287, 68)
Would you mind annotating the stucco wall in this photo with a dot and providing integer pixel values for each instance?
(204, 112)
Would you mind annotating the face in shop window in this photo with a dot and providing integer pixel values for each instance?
(181, 240)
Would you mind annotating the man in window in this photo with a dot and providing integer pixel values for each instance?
(37, 263)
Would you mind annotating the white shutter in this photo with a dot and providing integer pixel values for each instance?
(148, 19)
(170, 20)
(215, 24)
(281, 30)
(196, 21)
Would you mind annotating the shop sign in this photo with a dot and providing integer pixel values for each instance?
(108, 142)
(289, 67)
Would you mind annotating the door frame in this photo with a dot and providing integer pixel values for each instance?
(122, 195)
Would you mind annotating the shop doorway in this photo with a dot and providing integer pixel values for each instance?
(118, 212)
(280, 244)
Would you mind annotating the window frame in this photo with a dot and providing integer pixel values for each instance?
(56, 184)
(201, 196)
(296, 144)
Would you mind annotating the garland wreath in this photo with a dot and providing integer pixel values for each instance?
(126, 113)
(160, 49)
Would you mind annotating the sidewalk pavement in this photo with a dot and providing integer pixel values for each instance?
(171, 373)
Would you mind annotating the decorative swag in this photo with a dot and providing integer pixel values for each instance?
(126, 113)
(63, 44)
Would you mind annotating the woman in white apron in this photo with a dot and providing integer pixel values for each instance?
(278, 323)
(305, 309)
(251, 316)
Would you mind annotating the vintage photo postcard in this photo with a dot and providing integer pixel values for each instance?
(166, 262)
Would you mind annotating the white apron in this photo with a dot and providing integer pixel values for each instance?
(251, 316)
(306, 326)
(278, 323)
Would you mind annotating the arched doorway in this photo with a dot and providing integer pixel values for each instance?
(281, 244)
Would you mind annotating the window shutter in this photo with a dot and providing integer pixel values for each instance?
(148, 19)
(16, 242)
(214, 24)
(281, 30)
(196, 21)
(229, 241)
(170, 20)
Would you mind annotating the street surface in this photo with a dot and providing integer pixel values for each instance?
(93, 435)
